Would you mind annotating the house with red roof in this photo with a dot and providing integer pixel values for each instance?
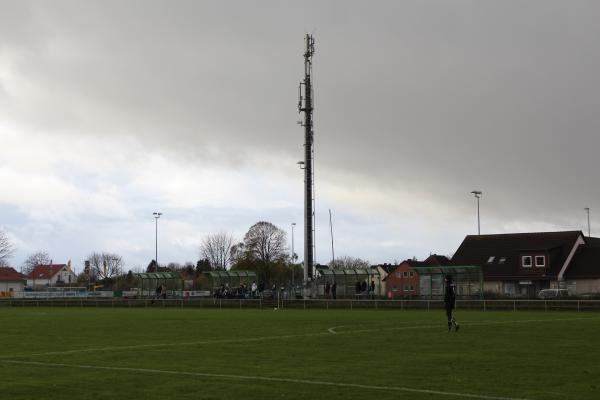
(51, 275)
(403, 281)
(11, 281)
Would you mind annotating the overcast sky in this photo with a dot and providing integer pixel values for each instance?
(111, 110)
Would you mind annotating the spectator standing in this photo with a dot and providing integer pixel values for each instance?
(254, 289)
(450, 303)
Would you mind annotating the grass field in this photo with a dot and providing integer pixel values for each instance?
(66, 353)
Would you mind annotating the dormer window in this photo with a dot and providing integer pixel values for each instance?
(526, 261)
(491, 259)
(540, 261)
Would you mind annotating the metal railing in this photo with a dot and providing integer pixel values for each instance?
(308, 304)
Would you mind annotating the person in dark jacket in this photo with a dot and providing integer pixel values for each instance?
(333, 290)
(450, 303)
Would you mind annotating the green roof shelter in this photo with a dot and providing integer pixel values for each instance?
(231, 278)
(150, 280)
(467, 278)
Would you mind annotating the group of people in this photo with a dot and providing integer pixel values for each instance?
(330, 290)
(160, 292)
(361, 288)
(241, 292)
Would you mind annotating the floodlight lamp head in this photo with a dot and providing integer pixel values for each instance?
(477, 193)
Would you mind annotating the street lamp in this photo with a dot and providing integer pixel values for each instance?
(477, 194)
(156, 217)
(293, 253)
(587, 209)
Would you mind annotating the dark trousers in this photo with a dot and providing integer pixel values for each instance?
(449, 310)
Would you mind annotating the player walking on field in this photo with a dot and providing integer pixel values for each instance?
(450, 303)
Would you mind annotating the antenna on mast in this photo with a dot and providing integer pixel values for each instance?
(305, 105)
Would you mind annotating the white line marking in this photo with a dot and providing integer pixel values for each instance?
(263, 338)
(333, 328)
(268, 379)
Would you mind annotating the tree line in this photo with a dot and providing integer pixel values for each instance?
(263, 249)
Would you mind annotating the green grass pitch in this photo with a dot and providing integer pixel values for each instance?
(71, 353)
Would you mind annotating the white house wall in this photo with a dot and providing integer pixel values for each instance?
(579, 286)
(11, 286)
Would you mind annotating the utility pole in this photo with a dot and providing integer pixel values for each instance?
(305, 105)
(587, 209)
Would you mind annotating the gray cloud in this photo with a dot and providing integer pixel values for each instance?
(434, 98)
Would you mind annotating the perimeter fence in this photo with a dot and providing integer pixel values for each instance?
(310, 304)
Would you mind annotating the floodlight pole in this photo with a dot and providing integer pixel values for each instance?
(477, 194)
(293, 253)
(587, 209)
(331, 231)
(156, 217)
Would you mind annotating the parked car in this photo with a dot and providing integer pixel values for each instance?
(546, 294)
(588, 296)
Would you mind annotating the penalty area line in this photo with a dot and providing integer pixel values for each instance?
(265, 379)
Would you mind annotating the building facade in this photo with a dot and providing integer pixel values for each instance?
(11, 281)
(51, 275)
(522, 264)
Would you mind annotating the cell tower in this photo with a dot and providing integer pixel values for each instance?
(305, 105)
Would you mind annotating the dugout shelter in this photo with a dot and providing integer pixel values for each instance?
(150, 280)
(467, 278)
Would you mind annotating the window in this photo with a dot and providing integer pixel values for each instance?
(398, 274)
(502, 260)
(526, 261)
(406, 274)
(411, 274)
(394, 287)
(540, 261)
(491, 259)
(407, 288)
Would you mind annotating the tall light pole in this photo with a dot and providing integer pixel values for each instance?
(587, 209)
(477, 194)
(331, 230)
(293, 254)
(156, 217)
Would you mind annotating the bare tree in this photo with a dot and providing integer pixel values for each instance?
(266, 242)
(217, 249)
(105, 265)
(35, 259)
(347, 262)
(6, 248)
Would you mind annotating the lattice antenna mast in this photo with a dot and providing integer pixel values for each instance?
(305, 105)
